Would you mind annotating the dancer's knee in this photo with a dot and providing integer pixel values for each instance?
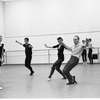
(53, 67)
(65, 71)
(57, 68)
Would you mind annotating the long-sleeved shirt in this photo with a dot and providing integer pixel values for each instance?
(60, 51)
(77, 50)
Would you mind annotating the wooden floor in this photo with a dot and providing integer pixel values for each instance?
(17, 83)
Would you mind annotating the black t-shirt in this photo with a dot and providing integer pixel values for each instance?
(28, 50)
(60, 49)
(1, 50)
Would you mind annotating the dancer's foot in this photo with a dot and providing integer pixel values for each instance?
(64, 77)
(31, 73)
(0, 88)
(49, 79)
(74, 79)
(70, 83)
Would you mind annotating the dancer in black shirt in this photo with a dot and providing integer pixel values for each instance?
(84, 54)
(90, 55)
(60, 59)
(1, 53)
(28, 53)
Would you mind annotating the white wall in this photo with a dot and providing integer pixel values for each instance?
(1, 21)
(32, 17)
(38, 43)
(37, 19)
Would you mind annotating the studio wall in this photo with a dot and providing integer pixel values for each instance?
(1, 21)
(33, 18)
(45, 20)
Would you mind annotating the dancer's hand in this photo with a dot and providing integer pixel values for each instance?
(30, 46)
(45, 45)
(16, 41)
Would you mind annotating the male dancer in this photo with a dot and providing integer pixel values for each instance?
(28, 52)
(1, 53)
(76, 53)
(60, 59)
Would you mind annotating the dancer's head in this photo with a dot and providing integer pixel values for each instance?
(90, 39)
(26, 40)
(76, 39)
(59, 39)
(0, 38)
(83, 41)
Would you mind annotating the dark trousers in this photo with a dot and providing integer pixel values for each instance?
(69, 66)
(28, 63)
(56, 66)
(84, 56)
(90, 56)
(0, 63)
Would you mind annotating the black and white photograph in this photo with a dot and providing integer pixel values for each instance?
(49, 49)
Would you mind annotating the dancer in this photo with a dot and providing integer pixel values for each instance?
(90, 56)
(60, 59)
(28, 53)
(1, 54)
(76, 53)
(84, 54)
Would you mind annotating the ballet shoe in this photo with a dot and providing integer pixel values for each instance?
(0, 88)
(70, 83)
(49, 79)
(64, 78)
(31, 73)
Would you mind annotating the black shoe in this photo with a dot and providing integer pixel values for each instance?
(64, 78)
(32, 73)
(74, 80)
(70, 83)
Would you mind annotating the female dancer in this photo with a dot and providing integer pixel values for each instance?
(60, 59)
(90, 56)
(84, 55)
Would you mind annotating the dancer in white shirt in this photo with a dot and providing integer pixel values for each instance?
(76, 50)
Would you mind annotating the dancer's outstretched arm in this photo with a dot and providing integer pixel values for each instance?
(68, 48)
(18, 42)
(47, 46)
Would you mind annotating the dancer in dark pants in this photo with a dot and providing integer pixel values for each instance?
(60, 59)
(28, 52)
(76, 53)
(90, 56)
(84, 55)
(1, 54)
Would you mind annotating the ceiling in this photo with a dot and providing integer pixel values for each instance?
(6, 0)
